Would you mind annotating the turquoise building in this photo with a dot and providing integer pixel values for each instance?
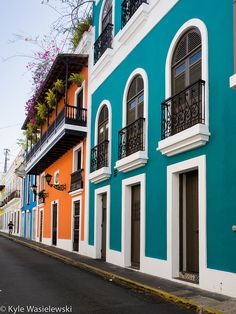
(161, 188)
(28, 209)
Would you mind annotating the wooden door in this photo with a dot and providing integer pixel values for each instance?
(189, 226)
(41, 226)
(104, 226)
(54, 224)
(135, 226)
(76, 223)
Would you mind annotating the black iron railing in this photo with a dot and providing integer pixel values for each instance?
(41, 197)
(99, 156)
(183, 110)
(68, 115)
(131, 138)
(76, 182)
(103, 42)
(128, 8)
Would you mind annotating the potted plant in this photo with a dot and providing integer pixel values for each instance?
(58, 86)
(51, 99)
(42, 111)
(76, 78)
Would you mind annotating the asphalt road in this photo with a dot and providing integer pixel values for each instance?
(29, 278)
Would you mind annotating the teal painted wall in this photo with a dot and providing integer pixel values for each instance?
(151, 55)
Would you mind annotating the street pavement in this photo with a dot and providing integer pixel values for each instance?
(29, 278)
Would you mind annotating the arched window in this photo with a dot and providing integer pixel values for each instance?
(106, 14)
(186, 62)
(135, 99)
(103, 125)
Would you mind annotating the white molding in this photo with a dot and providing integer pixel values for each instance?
(204, 38)
(98, 221)
(78, 90)
(100, 16)
(126, 218)
(74, 199)
(232, 81)
(100, 175)
(173, 172)
(196, 136)
(131, 162)
(105, 172)
(74, 193)
(111, 59)
(80, 146)
(137, 21)
(85, 43)
(54, 176)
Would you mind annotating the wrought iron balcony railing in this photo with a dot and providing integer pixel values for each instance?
(76, 182)
(128, 8)
(11, 196)
(183, 110)
(103, 42)
(131, 138)
(69, 115)
(41, 197)
(99, 156)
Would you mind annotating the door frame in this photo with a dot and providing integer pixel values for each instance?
(34, 223)
(173, 242)
(53, 203)
(98, 220)
(39, 223)
(126, 218)
(74, 199)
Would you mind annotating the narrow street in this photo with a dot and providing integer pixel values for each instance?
(31, 278)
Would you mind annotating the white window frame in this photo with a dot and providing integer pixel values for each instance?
(197, 135)
(140, 158)
(74, 199)
(74, 160)
(105, 172)
(56, 173)
(78, 90)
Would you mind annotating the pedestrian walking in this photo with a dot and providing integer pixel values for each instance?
(10, 226)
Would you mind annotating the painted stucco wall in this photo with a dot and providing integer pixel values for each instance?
(151, 55)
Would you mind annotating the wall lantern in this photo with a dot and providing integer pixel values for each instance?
(60, 187)
(41, 194)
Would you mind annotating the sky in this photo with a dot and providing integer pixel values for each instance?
(29, 18)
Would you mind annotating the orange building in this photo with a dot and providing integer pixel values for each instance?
(58, 156)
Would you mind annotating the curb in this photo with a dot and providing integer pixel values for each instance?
(184, 302)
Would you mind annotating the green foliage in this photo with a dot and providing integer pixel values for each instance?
(31, 129)
(51, 99)
(76, 78)
(42, 111)
(82, 26)
(58, 86)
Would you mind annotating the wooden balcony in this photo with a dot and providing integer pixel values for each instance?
(76, 181)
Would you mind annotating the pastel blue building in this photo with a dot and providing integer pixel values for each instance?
(28, 209)
(162, 186)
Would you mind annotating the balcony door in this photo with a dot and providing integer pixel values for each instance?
(41, 226)
(106, 14)
(104, 226)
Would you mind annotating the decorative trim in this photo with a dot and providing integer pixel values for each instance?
(74, 193)
(74, 199)
(232, 81)
(137, 21)
(100, 175)
(196, 136)
(134, 161)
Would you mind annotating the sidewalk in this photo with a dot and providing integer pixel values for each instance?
(199, 300)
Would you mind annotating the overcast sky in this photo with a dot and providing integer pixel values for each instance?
(28, 18)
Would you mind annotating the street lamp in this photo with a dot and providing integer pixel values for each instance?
(60, 187)
(41, 194)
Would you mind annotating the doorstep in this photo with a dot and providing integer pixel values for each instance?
(200, 300)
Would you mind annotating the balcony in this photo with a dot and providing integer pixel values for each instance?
(68, 128)
(41, 197)
(100, 169)
(103, 42)
(132, 152)
(183, 120)
(76, 182)
(128, 8)
(11, 196)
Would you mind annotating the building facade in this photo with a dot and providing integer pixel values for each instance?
(58, 155)
(10, 195)
(160, 194)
